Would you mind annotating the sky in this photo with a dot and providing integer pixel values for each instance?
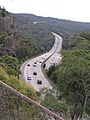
(76, 10)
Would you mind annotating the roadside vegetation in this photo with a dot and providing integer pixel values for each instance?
(10, 64)
(72, 76)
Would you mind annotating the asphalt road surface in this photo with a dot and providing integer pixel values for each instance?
(56, 58)
(31, 71)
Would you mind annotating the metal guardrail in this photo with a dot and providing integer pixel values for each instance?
(3, 88)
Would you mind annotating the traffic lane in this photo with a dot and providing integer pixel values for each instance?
(55, 45)
(45, 83)
(30, 69)
(39, 76)
(46, 55)
(39, 59)
(54, 60)
(33, 80)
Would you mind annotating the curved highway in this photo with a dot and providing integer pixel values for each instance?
(31, 70)
(56, 58)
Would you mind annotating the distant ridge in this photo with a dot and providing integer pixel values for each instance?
(55, 24)
(36, 17)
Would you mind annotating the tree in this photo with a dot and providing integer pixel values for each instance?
(72, 78)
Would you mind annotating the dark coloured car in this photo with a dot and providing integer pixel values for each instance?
(34, 73)
(34, 65)
(28, 64)
(29, 78)
(44, 65)
(39, 82)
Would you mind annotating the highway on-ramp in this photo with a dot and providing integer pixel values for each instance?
(31, 71)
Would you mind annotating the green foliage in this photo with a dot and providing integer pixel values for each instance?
(3, 36)
(21, 86)
(11, 64)
(3, 12)
(78, 42)
(53, 104)
(3, 74)
(85, 35)
(72, 77)
(51, 69)
(38, 34)
(27, 49)
(54, 24)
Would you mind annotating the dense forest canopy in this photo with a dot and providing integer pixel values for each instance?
(72, 76)
(40, 27)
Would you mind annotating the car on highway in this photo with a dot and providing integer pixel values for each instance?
(35, 62)
(39, 82)
(29, 78)
(52, 58)
(28, 64)
(34, 65)
(34, 73)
